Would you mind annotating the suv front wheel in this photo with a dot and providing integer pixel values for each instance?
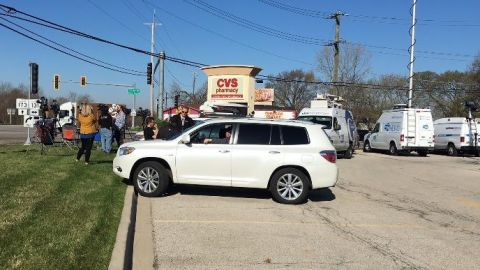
(150, 179)
(289, 186)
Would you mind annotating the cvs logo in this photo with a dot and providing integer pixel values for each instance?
(227, 82)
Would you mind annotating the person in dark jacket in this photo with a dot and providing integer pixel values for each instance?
(166, 132)
(150, 130)
(105, 122)
(181, 121)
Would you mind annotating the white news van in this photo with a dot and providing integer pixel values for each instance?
(457, 134)
(338, 123)
(402, 129)
(67, 113)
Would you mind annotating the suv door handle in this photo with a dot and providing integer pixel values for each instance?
(274, 152)
(224, 151)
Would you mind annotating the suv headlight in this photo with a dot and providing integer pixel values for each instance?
(125, 151)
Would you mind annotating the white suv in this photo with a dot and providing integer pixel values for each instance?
(288, 157)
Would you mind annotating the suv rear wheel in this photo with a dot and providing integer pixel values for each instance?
(150, 179)
(289, 186)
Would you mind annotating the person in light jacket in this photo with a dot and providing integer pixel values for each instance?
(88, 129)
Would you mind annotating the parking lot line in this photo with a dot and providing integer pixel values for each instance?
(192, 221)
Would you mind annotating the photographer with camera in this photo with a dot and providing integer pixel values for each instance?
(119, 125)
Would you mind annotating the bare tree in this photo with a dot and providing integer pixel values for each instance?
(293, 89)
(354, 63)
(8, 96)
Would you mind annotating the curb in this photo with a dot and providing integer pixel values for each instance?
(143, 249)
(123, 248)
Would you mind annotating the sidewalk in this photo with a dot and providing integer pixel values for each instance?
(134, 244)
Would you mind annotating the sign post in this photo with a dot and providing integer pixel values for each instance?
(134, 92)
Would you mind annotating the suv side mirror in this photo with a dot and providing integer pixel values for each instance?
(185, 139)
(337, 127)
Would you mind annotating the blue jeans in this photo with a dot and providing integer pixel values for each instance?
(106, 139)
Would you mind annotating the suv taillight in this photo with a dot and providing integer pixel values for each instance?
(329, 155)
(402, 137)
(462, 139)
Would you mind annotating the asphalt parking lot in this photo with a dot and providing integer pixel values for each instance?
(386, 212)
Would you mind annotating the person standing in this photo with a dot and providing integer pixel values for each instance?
(86, 120)
(105, 121)
(119, 125)
(181, 121)
(150, 130)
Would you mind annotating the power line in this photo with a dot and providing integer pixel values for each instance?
(72, 50)
(115, 19)
(56, 26)
(67, 53)
(292, 37)
(226, 37)
(379, 19)
(254, 26)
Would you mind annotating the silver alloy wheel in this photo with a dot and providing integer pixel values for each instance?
(289, 186)
(148, 179)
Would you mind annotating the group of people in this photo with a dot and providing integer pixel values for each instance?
(109, 127)
(177, 124)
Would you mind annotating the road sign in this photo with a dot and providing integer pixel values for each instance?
(10, 111)
(22, 111)
(133, 113)
(23, 103)
(34, 112)
(133, 91)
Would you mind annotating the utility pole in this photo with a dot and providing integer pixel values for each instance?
(336, 46)
(152, 46)
(412, 57)
(194, 79)
(161, 82)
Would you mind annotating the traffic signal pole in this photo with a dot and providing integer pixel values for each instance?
(28, 141)
(152, 46)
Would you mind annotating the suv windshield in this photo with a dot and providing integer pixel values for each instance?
(322, 120)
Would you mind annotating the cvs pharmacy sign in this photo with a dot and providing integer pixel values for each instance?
(232, 82)
(227, 87)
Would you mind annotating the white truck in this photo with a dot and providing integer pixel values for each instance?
(402, 129)
(67, 113)
(338, 123)
(455, 135)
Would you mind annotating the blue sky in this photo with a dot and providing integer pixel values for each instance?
(447, 35)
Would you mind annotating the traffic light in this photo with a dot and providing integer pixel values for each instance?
(83, 80)
(149, 73)
(34, 78)
(176, 101)
(56, 82)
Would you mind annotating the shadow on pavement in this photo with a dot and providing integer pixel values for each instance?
(321, 195)
(219, 192)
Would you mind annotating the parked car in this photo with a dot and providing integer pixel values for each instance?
(402, 129)
(287, 157)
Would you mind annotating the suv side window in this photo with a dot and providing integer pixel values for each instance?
(294, 135)
(253, 134)
(214, 131)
